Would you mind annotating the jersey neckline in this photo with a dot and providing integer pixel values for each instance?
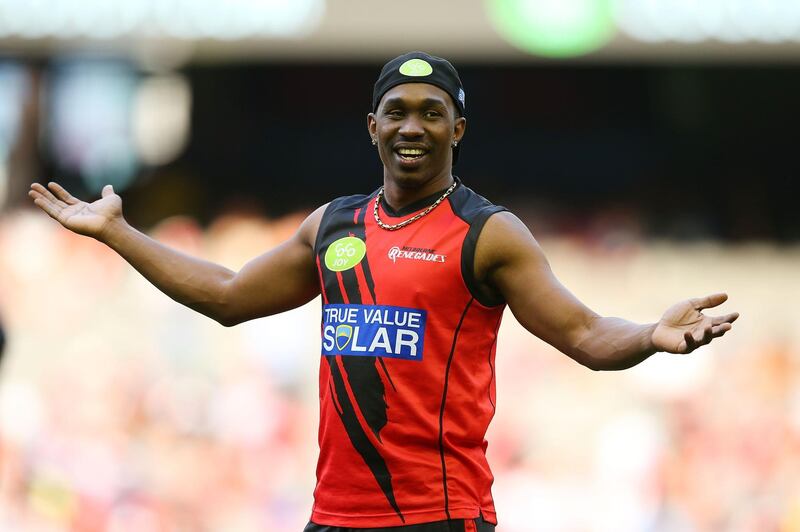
(417, 205)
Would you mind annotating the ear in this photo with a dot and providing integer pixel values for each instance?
(459, 128)
(372, 125)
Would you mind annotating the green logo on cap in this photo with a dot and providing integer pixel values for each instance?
(416, 68)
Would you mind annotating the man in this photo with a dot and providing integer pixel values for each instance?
(414, 279)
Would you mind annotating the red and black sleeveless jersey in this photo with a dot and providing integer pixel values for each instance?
(407, 385)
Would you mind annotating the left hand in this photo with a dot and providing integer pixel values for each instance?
(683, 328)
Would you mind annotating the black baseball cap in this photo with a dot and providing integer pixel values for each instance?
(419, 67)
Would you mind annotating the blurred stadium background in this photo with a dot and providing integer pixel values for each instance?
(651, 146)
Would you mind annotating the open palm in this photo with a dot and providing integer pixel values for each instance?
(88, 219)
(683, 327)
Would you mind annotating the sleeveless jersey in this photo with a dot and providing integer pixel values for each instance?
(406, 381)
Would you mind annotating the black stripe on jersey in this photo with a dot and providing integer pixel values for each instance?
(368, 390)
(336, 224)
(362, 372)
(441, 410)
(386, 372)
(491, 367)
(474, 209)
(373, 459)
(334, 400)
(365, 263)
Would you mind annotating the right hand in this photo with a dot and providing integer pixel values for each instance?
(90, 219)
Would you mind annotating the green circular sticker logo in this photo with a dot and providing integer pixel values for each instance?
(345, 253)
(416, 68)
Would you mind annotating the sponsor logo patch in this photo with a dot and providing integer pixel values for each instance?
(345, 253)
(373, 330)
(416, 68)
(424, 254)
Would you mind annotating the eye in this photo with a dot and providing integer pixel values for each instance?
(432, 114)
(394, 113)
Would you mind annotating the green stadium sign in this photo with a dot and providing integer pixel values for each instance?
(553, 28)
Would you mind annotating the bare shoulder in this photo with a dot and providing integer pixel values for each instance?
(504, 240)
(307, 232)
(503, 227)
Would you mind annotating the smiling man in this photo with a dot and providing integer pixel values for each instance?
(414, 280)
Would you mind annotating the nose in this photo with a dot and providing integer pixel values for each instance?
(412, 126)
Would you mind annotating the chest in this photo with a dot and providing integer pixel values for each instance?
(418, 265)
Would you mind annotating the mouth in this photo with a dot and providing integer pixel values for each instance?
(410, 155)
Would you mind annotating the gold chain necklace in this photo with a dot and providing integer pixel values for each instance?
(413, 219)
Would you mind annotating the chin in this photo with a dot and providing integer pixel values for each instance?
(413, 177)
(411, 180)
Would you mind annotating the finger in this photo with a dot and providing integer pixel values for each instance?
(719, 330)
(107, 190)
(48, 206)
(688, 342)
(713, 332)
(709, 301)
(47, 194)
(62, 194)
(35, 195)
(727, 318)
(38, 188)
(707, 335)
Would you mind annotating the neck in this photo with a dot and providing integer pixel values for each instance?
(399, 193)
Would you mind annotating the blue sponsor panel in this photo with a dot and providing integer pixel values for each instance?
(373, 331)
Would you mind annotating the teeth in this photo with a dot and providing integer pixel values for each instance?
(410, 151)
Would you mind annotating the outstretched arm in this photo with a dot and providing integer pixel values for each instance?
(509, 260)
(281, 279)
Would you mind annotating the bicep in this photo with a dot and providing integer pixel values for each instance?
(283, 278)
(517, 268)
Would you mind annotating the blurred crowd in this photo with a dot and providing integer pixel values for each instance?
(122, 411)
